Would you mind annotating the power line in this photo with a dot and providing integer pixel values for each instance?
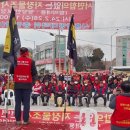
(99, 43)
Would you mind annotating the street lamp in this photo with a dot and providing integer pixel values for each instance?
(34, 47)
(111, 44)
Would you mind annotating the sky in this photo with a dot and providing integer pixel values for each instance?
(110, 16)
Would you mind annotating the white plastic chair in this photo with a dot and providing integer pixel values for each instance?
(38, 100)
(89, 113)
(10, 94)
(76, 101)
(84, 98)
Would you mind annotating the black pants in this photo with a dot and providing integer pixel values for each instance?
(97, 96)
(0, 100)
(59, 95)
(108, 93)
(73, 99)
(22, 96)
(34, 97)
(45, 96)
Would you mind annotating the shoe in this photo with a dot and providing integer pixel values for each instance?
(56, 105)
(69, 104)
(18, 122)
(45, 104)
(26, 123)
(95, 105)
(80, 105)
(73, 104)
(87, 105)
(61, 105)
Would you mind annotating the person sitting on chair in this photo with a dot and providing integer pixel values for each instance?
(72, 91)
(100, 92)
(86, 92)
(36, 91)
(59, 92)
(46, 93)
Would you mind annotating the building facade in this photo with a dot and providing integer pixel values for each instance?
(51, 56)
(123, 50)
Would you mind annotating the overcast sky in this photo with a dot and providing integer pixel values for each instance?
(109, 14)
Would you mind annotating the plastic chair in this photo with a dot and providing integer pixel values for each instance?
(38, 100)
(76, 101)
(9, 95)
(83, 98)
(89, 119)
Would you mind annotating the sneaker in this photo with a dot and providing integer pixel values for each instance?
(18, 122)
(26, 123)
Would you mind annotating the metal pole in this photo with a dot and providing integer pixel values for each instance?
(54, 46)
(111, 46)
(111, 50)
(59, 52)
(6, 100)
(34, 49)
(65, 64)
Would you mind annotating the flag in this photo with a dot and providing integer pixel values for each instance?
(71, 45)
(12, 41)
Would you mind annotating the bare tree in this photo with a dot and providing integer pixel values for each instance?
(85, 51)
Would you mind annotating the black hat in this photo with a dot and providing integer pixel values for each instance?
(125, 86)
(23, 50)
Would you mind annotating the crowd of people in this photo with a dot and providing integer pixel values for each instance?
(73, 90)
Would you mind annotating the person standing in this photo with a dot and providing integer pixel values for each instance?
(120, 102)
(25, 74)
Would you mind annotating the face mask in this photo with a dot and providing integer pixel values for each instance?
(46, 84)
(104, 82)
(75, 82)
(85, 84)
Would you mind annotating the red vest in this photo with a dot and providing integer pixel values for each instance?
(86, 88)
(121, 115)
(22, 72)
(37, 89)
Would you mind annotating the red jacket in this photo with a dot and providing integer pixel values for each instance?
(46, 89)
(100, 90)
(121, 115)
(22, 73)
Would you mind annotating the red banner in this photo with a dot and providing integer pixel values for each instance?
(48, 14)
(71, 118)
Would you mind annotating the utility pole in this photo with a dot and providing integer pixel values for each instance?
(111, 45)
(59, 52)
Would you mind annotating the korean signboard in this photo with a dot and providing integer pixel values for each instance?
(40, 14)
(57, 117)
